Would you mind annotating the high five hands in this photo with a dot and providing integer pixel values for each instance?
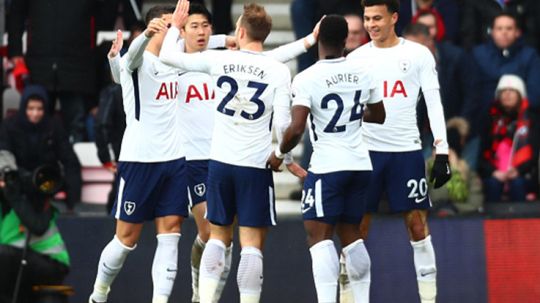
(180, 14)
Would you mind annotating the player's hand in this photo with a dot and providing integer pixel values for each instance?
(274, 163)
(230, 42)
(180, 15)
(317, 27)
(440, 173)
(156, 25)
(116, 45)
(297, 170)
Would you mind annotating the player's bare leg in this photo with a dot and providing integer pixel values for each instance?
(165, 265)
(324, 259)
(203, 228)
(345, 291)
(213, 261)
(250, 268)
(356, 261)
(424, 255)
(113, 257)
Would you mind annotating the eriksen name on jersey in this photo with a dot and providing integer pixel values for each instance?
(247, 69)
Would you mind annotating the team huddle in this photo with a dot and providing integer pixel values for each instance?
(199, 137)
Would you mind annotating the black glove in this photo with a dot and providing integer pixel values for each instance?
(440, 173)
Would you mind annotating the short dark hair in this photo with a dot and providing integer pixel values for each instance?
(508, 15)
(415, 29)
(158, 11)
(333, 31)
(196, 8)
(256, 22)
(391, 5)
(36, 97)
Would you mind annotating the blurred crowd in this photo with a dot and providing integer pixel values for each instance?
(486, 53)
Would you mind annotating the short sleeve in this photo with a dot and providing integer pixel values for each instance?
(300, 93)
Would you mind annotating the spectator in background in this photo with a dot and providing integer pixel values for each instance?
(477, 19)
(448, 12)
(26, 215)
(60, 53)
(506, 53)
(119, 14)
(463, 193)
(36, 138)
(509, 143)
(357, 33)
(426, 7)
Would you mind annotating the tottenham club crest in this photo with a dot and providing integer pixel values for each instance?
(404, 65)
(129, 207)
(200, 189)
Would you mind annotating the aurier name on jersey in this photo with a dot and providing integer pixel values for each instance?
(400, 73)
(150, 103)
(336, 92)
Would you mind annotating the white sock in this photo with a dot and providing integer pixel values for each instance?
(345, 292)
(426, 269)
(358, 269)
(250, 275)
(212, 266)
(196, 254)
(325, 266)
(110, 263)
(165, 266)
(225, 274)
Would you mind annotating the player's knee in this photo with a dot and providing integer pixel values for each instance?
(417, 225)
(169, 225)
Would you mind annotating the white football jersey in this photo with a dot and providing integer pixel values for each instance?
(150, 95)
(400, 72)
(198, 104)
(336, 92)
(248, 85)
(196, 114)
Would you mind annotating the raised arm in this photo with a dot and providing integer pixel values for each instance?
(134, 55)
(294, 49)
(114, 56)
(172, 55)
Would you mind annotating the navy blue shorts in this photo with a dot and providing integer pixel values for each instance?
(402, 176)
(197, 176)
(335, 197)
(151, 190)
(245, 192)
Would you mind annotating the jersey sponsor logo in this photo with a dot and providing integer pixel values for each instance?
(397, 89)
(404, 65)
(129, 207)
(169, 91)
(199, 189)
(199, 94)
